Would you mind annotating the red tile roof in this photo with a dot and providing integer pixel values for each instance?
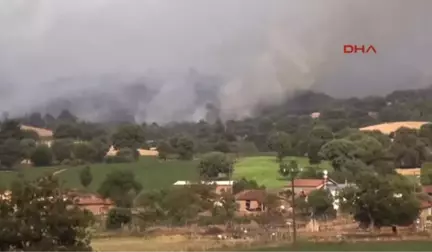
(425, 204)
(427, 189)
(258, 195)
(91, 199)
(307, 182)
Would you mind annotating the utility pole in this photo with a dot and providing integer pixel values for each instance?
(292, 171)
(293, 212)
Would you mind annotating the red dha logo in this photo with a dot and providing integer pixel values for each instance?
(355, 49)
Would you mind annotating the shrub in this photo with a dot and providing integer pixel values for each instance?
(117, 217)
(42, 156)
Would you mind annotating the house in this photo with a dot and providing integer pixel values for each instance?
(305, 186)
(408, 171)
(142, 152)
(425, 213)
(45, 135)
(251, 201)
(315, 115)
(93, 203)
(221, 185)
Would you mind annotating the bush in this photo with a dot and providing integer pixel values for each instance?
(124, 155)
(77, 162)
(62, 149)
(84, 152)
(117, 217)
(128, 153)
(42, 156)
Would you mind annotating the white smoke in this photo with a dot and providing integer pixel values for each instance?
(264, 49)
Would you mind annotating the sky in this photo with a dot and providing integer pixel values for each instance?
(263, 49)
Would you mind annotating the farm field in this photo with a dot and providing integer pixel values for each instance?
(353, 246)
(156, 174)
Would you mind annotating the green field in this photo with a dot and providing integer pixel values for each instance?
(264, 169)
(150, 172)
(154, 174)
(353, 246)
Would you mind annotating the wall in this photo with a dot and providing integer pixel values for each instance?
(242, 206)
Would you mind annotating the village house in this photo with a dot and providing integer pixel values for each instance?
(45, 135)
(142, 152)
(94, 203)
(251, 201)
(221, 185)
(91, 202)
(305, 186)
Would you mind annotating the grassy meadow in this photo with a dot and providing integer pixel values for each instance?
(264, 169)
(155, 174)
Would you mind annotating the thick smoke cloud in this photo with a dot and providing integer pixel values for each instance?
(260, 50)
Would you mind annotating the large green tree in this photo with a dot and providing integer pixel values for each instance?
(214, 165)
(378, 201)
(280, 142)
(129, 136)
(121, 187)
(40, 216)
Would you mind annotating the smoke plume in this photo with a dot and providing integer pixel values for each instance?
(113, 55)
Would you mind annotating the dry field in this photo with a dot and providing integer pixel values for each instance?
(387, 128)
(162, 243)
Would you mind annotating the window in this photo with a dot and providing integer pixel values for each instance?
(248, 204)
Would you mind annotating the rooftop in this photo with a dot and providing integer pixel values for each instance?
(258, 195)
(218, 182)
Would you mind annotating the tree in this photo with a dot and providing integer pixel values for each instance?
(128, 136)
(120, 186)
(53, 221)
(320, 203)
(62, 149)
(10, 129)
(280, 142)
(214, 165)
(10, 153)
(244, 184)
(338, 152)
(227, 208)
(86, 176)
(117, 217)
(42, 156)
(184, 146)
(319, 135)
(164, 149)
(85, 152)
(426, 173)
(28, 146)
(66, 116)
(101, 147)
(378, 201)
(67, 130)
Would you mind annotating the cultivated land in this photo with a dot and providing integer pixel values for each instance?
(156, 174)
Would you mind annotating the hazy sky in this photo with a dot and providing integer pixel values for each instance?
(263, 48)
